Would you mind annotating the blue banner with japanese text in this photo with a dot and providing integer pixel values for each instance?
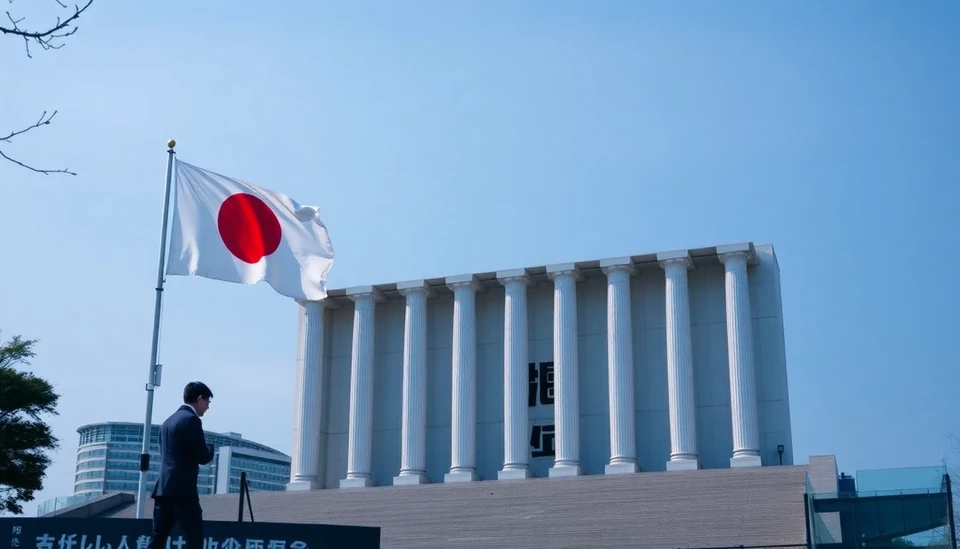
(85, 533)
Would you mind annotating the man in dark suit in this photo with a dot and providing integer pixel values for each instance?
(183, 449)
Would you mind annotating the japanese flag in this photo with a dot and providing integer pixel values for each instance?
(229, 230)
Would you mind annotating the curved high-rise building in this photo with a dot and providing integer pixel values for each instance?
(108, 460)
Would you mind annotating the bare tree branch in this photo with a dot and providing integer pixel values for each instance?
(44, 120)
(47, 39)
(31, 168)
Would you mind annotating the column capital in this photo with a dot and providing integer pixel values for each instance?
(323, 303)
(515, 275)
(415, 287)
(677, 257)
(737, 251)
(564, 269)
(617, 264)
(358, 292)
(463, 281)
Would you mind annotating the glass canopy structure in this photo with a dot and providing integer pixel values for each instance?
(911, 507)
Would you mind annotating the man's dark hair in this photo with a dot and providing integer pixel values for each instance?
(195, 390)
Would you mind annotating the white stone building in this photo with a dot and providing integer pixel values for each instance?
(665, 417)
(659, 361)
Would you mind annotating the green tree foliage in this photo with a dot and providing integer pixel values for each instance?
(25, 439)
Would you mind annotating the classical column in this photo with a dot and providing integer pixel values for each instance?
(743, 386)
(623, 448)
(463, 431)
(360, 430)
(567, 407)
(297, 394)
(680, 381)
(413, 460)
(516, 446)
(305, 463)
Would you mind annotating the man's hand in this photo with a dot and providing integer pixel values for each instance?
(201, 450)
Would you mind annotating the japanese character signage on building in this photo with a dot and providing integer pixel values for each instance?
(540, 395)
(71, 533)
(541, 384)
(541, 440)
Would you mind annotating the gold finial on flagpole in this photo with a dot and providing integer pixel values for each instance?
(171, 144)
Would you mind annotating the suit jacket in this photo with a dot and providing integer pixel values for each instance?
(183, 449)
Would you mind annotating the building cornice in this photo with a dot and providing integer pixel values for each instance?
(641, 262)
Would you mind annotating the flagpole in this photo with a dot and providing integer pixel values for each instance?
(153, 373)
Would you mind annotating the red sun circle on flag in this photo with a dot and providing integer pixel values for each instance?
(248, 227)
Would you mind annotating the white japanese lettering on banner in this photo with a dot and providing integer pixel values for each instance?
(70, 541)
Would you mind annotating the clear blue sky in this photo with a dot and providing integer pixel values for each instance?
(441, 138)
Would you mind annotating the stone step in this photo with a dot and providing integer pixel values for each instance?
(705, 508)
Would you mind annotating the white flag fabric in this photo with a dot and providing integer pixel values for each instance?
(230, 230)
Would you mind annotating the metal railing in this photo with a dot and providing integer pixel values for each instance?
(786, 546)
(244, 494)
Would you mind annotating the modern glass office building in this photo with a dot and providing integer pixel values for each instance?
(108, 461)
